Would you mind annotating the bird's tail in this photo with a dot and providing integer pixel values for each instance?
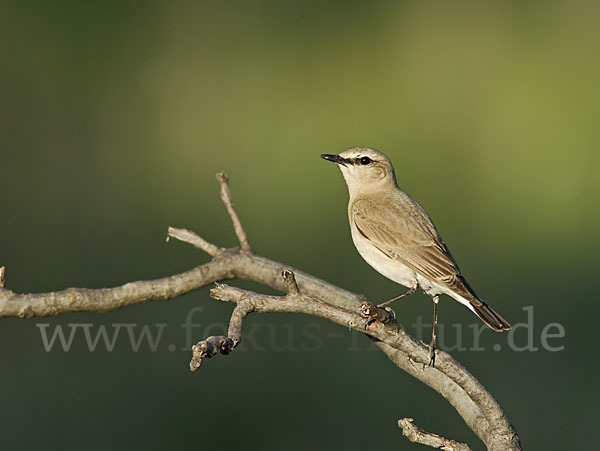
(489, 316)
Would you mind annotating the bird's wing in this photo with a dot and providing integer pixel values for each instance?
(403, 230)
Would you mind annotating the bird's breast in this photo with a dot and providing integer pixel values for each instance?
(391, 268)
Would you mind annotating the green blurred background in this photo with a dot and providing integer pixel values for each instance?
(114, 118)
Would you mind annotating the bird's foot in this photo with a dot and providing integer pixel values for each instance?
(431, 363)
(374, 313)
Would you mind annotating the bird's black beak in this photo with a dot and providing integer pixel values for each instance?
(334, 158)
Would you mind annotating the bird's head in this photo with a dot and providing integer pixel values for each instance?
(364, 169)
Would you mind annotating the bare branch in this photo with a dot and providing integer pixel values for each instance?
(473, 402)
(224, 345)
(187, 236)
(299, 303)
(230, 264)
(237, 318)
(2, 273)
(107, 299)
(247, 302)
(223, 180)
(304, 294)
(466, 407)
(417, 435)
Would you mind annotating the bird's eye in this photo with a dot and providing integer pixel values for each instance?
(365, 160)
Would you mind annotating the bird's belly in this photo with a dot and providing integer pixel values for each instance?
(390, 268)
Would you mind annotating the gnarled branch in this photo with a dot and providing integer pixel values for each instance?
(304, 294)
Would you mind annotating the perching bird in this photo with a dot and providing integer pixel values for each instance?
(395, 236)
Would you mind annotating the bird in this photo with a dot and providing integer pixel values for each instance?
(396, 236)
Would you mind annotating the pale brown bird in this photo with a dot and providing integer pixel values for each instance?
(395, 235)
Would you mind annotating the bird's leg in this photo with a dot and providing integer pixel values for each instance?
(435, 299)
(408, 292)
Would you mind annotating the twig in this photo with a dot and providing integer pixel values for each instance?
(187, 236)
(221, 344)
(417, 435)
(211, 346)
(2, 273)
(296, 303)
(223, 180)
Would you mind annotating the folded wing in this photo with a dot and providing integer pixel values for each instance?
(404, 231)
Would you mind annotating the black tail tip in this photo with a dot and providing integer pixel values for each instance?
(492, 319)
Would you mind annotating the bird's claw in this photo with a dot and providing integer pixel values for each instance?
(368, 322)
(374, 313)
(391, 312)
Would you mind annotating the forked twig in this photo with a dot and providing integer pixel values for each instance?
(246, 303)
(223, 180)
